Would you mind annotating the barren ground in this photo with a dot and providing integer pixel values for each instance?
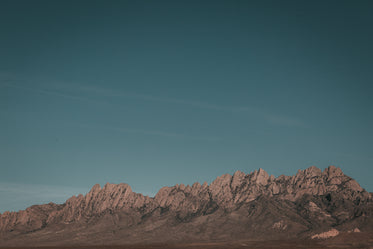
(345, 242)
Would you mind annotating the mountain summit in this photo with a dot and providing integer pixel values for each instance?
(239, 206)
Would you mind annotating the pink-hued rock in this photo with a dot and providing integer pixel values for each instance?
(326, 235)
(242, 202)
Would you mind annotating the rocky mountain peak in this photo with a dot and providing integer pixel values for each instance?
(334, 171)
(96, 188)
(313, 171)
(237, 179)
(311, 198)
(261, 177)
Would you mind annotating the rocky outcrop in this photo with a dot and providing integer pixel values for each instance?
(245, 204)
(99, 200)
(31, 219)
(325, 235)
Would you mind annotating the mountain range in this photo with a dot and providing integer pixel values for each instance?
(313, 204)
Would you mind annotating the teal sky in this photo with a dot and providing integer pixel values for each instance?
(155, 93)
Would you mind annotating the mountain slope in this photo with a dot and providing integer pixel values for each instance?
(242, 206)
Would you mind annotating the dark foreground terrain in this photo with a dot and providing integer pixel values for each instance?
(222, 245)
(346, 241)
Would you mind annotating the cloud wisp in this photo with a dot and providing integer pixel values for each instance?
(272, 118)
(148, 132)
(53, 93)
(118, 129)
(64, 90)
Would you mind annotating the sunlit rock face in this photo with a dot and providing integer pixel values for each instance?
(253, 205)
(325, 235)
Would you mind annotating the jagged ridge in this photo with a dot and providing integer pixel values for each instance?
(310, 201)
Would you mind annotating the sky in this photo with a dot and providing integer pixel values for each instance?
(155, 93)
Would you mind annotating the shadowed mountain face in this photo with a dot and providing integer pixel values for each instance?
(313, 203)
